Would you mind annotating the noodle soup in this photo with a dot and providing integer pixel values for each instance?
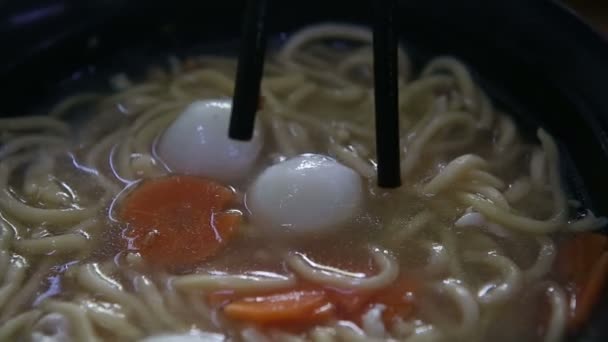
(144, 222)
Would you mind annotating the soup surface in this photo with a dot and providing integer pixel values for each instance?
(131, 216)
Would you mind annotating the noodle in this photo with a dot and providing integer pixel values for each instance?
(312, 272)
(475, 194)
(29, 141)
(557, 320)
(78, 321)
(66, 105)
(13, 279)
(416, 147)
(62, 244)
(544, 261)
(452, 172)
(463, 79)
(12, 326)
(34, 123)
(114, 323)
(233, 282)
(468, 307)
(494, 293)
(405, 231)
(92, 278)
(27, 290)
(518, 190)
(155, 302)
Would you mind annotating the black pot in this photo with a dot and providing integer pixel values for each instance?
(533, 57)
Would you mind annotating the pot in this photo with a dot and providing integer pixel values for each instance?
(534, 57)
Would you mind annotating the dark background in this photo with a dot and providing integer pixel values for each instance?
(594, 11)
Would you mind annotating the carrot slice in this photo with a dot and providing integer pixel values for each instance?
(179, 221)
(350, 304)
(577, 255)
(582, 263)
(308, 304)
(589, 294)
(282, 308)
(220, 298)
(398, 300)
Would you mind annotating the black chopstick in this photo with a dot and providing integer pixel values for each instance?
(385, 92)
(249, 71)
(249, 76)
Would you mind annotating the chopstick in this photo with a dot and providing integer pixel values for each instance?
(249, 75)
(385, 94)
(249, 71)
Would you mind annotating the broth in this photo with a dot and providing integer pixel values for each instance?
(465, 250)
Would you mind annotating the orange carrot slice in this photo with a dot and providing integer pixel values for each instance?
(220, 298)
(294, 307)
(589, 294)
(398, 300)
(582, 263)
(310, 304)
(350, 305)
(179, 221)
